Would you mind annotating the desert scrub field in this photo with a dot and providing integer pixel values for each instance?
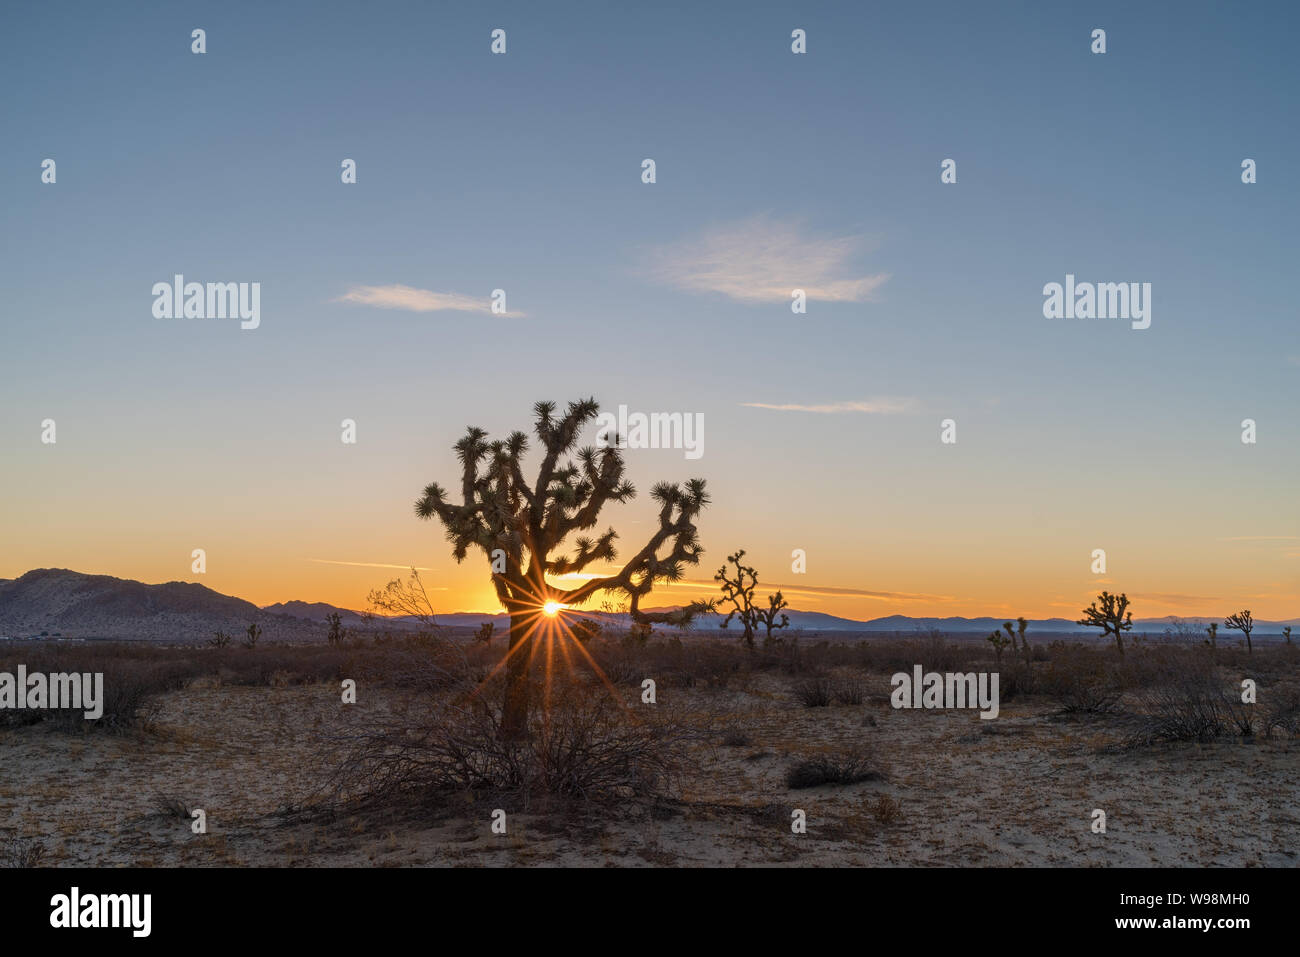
(711, 773)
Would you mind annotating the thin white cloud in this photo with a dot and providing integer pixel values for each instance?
(418, 300)
(1262, 538)
(763, 260)
(1166, 598)
(885, 406)
(330, 561)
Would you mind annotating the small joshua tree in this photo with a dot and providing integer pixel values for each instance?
(219, 639)
(739, 593)
(1213, 632)
(1022, 625)
(1286, 633)
(1242, 622)
(1109, 613)
(337, 633)
(484, 633)
(1020, 646)
(999, 641)
(252, 633)
(768, 615)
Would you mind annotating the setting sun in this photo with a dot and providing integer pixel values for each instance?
(552, 608)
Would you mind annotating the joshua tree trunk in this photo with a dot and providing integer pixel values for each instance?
(514, 715)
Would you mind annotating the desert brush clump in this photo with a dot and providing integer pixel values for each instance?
(1190, 702)
(850, 767)
(582, 744)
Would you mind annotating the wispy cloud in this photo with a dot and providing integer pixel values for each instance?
(1166, 598)
(1262, 538)
(763, 260)
(418, 300)
(330, 561)
(883, 406)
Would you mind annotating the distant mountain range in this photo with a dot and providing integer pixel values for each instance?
(56, 601)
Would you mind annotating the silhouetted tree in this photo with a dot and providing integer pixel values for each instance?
(1019, 643)
(219, 639)
(1213, 632)
(1108, 613)
(768, 615)
(484, 633)
(405, 599)
(1242, 622)
(999, 641)
(1022, 625)
(337, 633)
(252, 633)
(519, 526)
(1286, 633)
(739, 593)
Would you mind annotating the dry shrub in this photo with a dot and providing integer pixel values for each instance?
(1191, 704)
(814, 692)
(168, 805)
(851, 691)
(886, 810)
(585, 746)
(22, 852)
(848, 768)
(1081, 679)
(1282, 712)
(132, 688)
(736, 738)
(422, 662)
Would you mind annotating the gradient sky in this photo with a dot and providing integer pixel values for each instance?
(774, 170)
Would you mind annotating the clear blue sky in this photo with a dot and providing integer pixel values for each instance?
(522, 172)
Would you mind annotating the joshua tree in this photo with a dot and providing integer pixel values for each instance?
(1022, 624)
(337, 632)
(768, 615)
(484, 633)
(1111, 617)
(739, 592)
(253, 632)
(1213, 632)
(1243, 622)
(1286, 633)
(999, 641)
(520, 525)
(219, 639)
(1022, 646)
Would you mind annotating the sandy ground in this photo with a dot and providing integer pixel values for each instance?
(1019, 790)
